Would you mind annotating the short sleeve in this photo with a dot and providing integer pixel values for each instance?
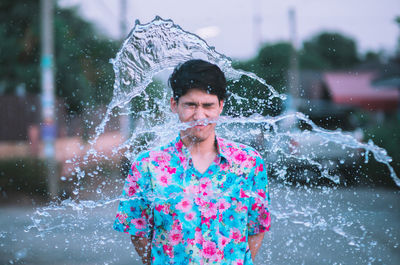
(134, 211)
(259, 216)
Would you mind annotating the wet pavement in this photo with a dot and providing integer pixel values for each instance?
(309, 226)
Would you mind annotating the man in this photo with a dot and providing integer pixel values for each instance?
(200, 199)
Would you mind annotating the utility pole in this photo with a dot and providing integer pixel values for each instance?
(124, 120)
(257, 22)
(47, 95)
(293, 73)
(122, 18)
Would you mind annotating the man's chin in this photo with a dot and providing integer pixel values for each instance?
(197, 138)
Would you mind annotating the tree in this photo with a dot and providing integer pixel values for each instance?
(271, 64)
(328, 51)
(83, 73)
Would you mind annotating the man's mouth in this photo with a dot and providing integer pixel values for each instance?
(200, 124)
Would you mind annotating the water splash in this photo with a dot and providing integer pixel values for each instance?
(153, 47)
(159, 45)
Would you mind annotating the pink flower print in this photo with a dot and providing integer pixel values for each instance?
(255, 206)
(219, 256)
(184, 205)
(240, 207)
(224, 167)
(159, 207)
(260, 168)
(168, 250)
(140, 223)
(190, 216)
(235, 235)
(199, 201)
(190, 242)
(171, 170)
(179, 145)
(209, 250)
(132, 188)
(249, 163)
(238, 262)
(156, 156)
(192, 189)
(140, 234)
(198, 237)
(243, 194)
(182, 159)
(122, 217)
(231, 217)
(259, 204)
(223, 241)
(223, 205)
(205, 186)
(177, 225)
(240, 156)
(210, 210)
(264, 218)
(261, 193)
(205, 221)
(175, 237)
(134, 176)
(166, 208)
(164, 179)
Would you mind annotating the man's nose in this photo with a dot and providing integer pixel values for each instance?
(199, 113)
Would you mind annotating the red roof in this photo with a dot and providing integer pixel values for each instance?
(356, 89)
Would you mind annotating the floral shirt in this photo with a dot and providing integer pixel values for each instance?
(194, 218)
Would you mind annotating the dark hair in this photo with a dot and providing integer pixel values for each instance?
(198, 74)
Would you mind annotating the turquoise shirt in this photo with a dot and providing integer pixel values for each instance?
(194, 218)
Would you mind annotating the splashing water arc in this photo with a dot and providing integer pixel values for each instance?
(154, 47)
(161, 44)
(300, 213)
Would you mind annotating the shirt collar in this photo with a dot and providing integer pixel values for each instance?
(221, 148)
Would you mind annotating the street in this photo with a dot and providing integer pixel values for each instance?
(309, 226)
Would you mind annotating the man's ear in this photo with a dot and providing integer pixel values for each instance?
(221, 105)
(174, 105)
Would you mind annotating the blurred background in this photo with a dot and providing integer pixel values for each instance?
(338, 61)
(340, 65)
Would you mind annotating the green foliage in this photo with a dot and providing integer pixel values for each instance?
(83, 74)
(329, 51)
(372, 57)
(152, 102)
(271, 64)
(19, 45)
(387, 136)
(325, 51)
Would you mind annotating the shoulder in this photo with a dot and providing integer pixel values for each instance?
(230, 148)
(155, 154)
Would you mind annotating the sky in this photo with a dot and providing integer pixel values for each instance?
(236, 28)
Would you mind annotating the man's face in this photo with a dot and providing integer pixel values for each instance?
(195, 107)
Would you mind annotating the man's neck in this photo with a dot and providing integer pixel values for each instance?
(200, 148)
